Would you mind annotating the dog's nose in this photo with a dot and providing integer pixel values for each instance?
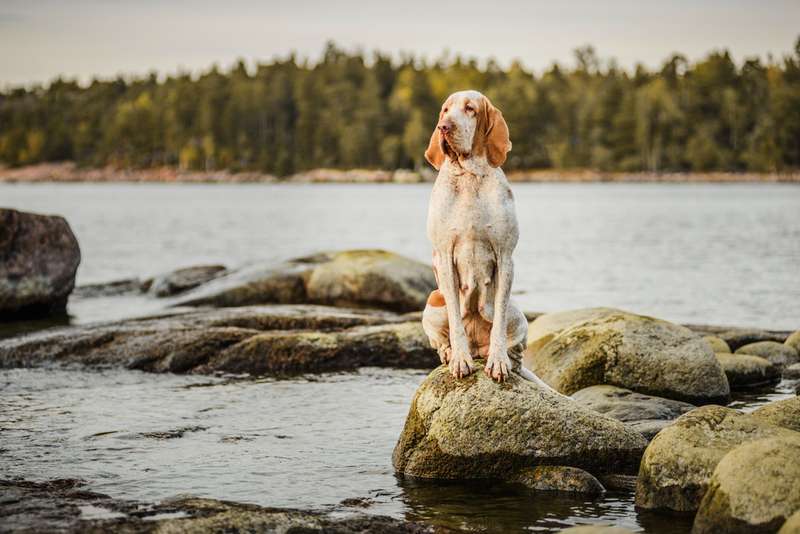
(445, 127)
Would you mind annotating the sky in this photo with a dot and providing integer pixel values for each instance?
(43, 39)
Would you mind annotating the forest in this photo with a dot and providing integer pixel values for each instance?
(357, 110)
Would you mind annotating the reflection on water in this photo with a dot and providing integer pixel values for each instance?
(309, 442)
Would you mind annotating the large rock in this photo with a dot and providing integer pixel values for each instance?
(754, 488)
(644, 413)
(39, 256)
(577, 349)
(368, 278)
(475, 428)
(785, 413)
(276, 339)
(677, 465)
(778, 354)
(745, 371)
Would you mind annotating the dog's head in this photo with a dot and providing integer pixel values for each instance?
(469, 126)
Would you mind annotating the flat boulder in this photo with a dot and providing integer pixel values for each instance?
(353, 278)
(776, 353)
(785, 413)
(745, 371)
(39, 256)
(577, 349)
(754, 488)
(276, 339)
(475, 428)
(181, 280)
(644, 413)
(677, 466)
(559, 478)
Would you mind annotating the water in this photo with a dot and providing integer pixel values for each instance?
(720, 254)
(694, 253)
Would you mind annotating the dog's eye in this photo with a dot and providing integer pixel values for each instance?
(468, 108)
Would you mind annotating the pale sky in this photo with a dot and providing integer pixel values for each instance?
(41, 39)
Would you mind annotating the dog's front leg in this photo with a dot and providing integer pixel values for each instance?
(498, 364)
(461, 363)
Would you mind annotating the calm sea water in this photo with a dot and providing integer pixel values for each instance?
(719, 254)
(693, 253)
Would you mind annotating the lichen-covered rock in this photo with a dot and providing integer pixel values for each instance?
(754, 488)
(180, 280)
(559, 478)
(717, 344)
(582, 348)
(363, 278)
(64, 506)
(39, 257)
(745, 371)
(475, 428)
(792, 525)
(793, 341)
(276, 339)
(678, 463)
(644, 413)
(776, 353)
(785, 413)
(739, 337)
(792, 372)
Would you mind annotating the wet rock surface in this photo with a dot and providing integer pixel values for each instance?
(746, 371)
(644, 413)
(62, 506)
(39, 256)
(474, 428)
(370, 278)
(677, 465)
(257, 340)
(559, 478)
(753, 489)
(581, 348)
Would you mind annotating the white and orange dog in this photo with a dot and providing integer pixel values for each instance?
(472, 225)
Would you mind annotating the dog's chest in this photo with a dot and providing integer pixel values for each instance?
(468, 207)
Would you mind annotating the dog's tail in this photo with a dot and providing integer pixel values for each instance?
(527, 374)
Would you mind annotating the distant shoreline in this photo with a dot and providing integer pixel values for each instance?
(67, 172)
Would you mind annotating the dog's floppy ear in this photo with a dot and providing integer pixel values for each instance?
(498, 143)
(434, 153)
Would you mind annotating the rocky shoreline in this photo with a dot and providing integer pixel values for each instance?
(628, 401)
(67, 172)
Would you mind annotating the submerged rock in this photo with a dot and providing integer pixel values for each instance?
(644, 413)
(677, 465)
(776, 353)
(475, 428)
(595, 529)
(256, 339)
(754, 488)
(785, 413)
(370, 278)
(63, 506)
(581, 348)
(559, 478)
(39, 256)
(745, 371)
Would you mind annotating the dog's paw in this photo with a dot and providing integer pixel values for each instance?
(498, 367)
(445, 354)
(460, 364)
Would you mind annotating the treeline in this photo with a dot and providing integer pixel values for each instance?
(348, 111)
